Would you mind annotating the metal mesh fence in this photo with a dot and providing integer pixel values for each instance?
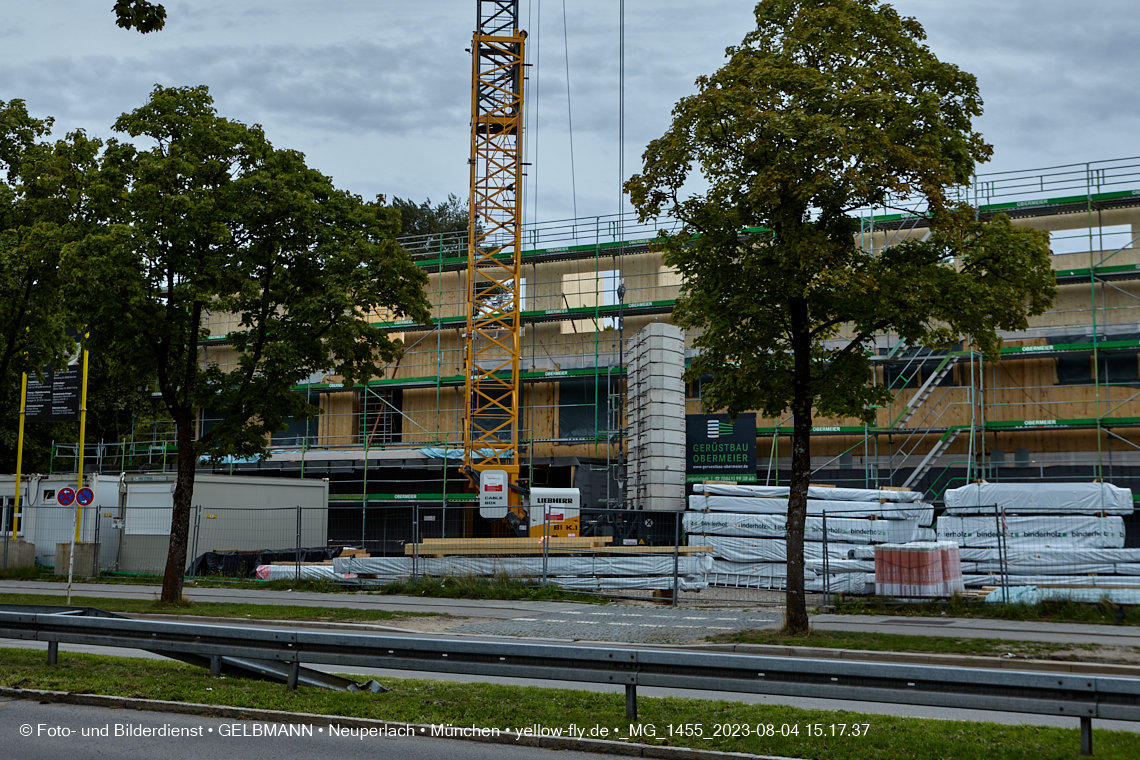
(1012, 541)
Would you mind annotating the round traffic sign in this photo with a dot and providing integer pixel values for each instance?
(65, 496)
(84, 496)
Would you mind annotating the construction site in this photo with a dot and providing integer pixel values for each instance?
(550, 358)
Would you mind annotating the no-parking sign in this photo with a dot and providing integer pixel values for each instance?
(85, 496)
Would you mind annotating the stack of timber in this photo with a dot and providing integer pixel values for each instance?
(579, 563)
(746, 526)
(1065, 535)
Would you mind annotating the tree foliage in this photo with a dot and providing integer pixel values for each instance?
(140, 14)
(211, 218)
(45, 205)
(426, 219)
(827, 107)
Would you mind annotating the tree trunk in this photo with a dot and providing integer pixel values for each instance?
(180, 518)
(795, 614)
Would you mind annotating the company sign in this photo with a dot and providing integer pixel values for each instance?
(717, 449)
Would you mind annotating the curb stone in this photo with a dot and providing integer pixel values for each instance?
(599, 746)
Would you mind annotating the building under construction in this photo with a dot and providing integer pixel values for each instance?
(1063, 404)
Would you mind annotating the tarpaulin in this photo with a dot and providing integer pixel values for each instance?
(1039, 498)
(740, 549)
(775, 526)
(242, 564)
(920, 511)
(1076, 531)
(814, 492)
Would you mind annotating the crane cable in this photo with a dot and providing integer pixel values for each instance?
(569, 112)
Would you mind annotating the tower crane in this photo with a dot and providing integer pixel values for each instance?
(494, 285)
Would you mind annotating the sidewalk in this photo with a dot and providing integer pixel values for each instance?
(481, 608)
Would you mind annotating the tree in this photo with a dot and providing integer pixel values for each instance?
(440, 229)
(44, 206)
(212, 218)
(829, 106)
(426, 219)
(140, 14)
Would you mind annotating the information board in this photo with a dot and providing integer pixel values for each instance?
(718, 449)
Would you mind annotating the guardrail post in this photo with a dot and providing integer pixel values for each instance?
(1086, 736)
(631, 701)
(53, 653)
(294, 674)
(215, 665)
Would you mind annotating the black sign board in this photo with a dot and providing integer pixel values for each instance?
(56, 399)
(717, 449)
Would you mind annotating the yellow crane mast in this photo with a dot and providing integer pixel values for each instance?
(494, 284)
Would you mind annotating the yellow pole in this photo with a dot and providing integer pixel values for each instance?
(20, 449)
(82, 440)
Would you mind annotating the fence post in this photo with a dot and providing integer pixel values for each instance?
(415, 538)
(826, 565)
(999, 537)
(298, 554)
(676, 556)
(97, 549)
(545, 541)
(197, 527)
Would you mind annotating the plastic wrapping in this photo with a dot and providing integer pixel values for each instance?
(742, 549)
(308, 572)
(1051, 556)
(775, 526)
(925, 569)
(1072, 532)
(814, 492)
(920, 511)
(1039, 498)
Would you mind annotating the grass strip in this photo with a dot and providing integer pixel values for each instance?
(895, 642)
(445, 587)
(674, 721)
(482, 587)
(1057, 610)
(218, 609)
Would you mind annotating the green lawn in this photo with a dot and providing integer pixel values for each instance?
(809, 732)
(1059, 611)
(893, 642)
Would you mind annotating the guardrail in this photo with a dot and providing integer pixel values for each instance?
(1082, 697)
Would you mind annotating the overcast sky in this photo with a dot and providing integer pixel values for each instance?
(376, 92)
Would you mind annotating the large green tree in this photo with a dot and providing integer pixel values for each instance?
(828, 107)
(211, 218)
(45, 205)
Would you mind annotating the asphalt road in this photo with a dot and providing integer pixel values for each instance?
(92, 735)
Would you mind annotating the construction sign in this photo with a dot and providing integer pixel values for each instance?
(718, 449)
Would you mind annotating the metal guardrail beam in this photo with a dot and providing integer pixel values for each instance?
(1078, 696)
